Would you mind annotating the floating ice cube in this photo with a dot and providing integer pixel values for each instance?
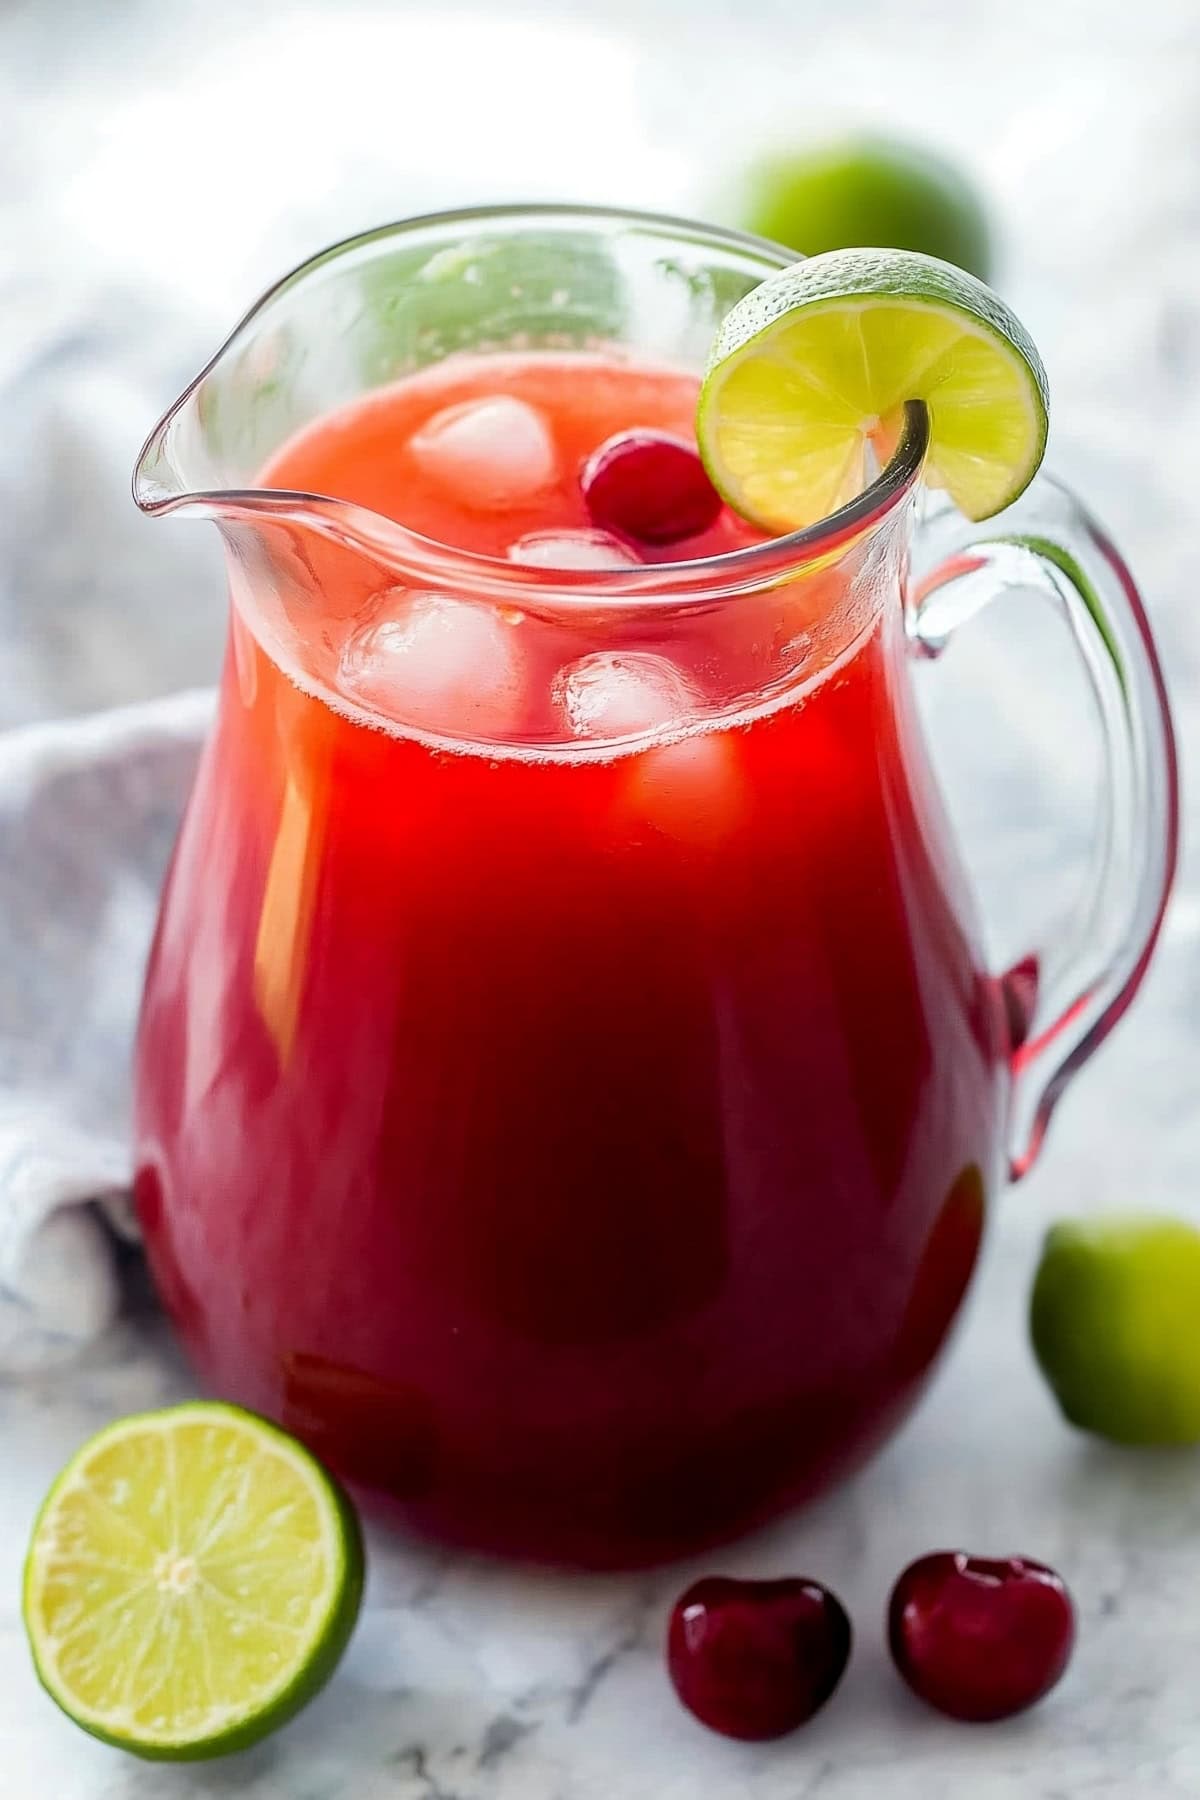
(691, 790)
(573, 550)
(614, 695)
(487, 454)
(442, 665)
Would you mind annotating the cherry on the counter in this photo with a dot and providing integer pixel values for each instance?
(980, 1638)
(755, 1659)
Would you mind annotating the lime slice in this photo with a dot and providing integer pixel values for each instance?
(815, 365)
(1115, 1321)
(193, 1579)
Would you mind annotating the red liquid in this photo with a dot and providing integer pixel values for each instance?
(586, 1155)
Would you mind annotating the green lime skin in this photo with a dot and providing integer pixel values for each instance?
(313, 1675)
(865, 189)
(1115, 1323)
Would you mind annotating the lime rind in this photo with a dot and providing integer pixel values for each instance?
(816, 363)
(1112, 1321)
(94, 1611)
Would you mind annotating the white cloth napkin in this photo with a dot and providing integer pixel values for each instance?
(88, 813)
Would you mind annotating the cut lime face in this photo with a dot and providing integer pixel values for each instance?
(193, 1578)
(1115, 1322)
(815, 365)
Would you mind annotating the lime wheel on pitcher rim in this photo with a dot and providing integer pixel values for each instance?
(812, 369)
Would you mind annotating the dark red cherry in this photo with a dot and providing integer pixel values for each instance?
(648, 486)
(755, 1659)
(980, 1639)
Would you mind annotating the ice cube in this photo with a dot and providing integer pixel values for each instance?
(573, 550)
(614, 695)
(439, 664)
(487, 454)
(691, 790)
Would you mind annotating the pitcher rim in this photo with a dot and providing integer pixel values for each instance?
(710, 577)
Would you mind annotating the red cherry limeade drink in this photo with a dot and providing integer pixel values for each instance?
(572, 1124)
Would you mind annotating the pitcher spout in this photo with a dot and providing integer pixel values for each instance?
(207, 452)
(161, 481)
(184, 464)
(207, 455)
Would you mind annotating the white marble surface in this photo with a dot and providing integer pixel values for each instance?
(158, 165)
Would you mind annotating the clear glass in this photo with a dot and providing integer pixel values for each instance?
(584, 1138)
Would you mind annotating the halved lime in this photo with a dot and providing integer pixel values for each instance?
(816, 364)
(1115, 1322)
(193, 1578)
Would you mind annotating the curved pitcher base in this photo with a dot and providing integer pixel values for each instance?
(624, 1487)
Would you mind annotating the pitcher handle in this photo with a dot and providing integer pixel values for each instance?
(1065, 997)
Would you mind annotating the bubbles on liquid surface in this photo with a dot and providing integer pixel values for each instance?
(442, 665)
(573, 550)
(614, 695)
(487, 454)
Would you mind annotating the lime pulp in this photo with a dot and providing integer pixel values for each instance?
(193, 1578)
(811, 370)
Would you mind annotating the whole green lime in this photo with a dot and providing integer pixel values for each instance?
(866, 190)
(1115, 1321)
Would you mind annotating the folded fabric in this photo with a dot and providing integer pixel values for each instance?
(88, 813)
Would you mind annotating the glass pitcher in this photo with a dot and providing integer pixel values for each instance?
(583, 1135)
